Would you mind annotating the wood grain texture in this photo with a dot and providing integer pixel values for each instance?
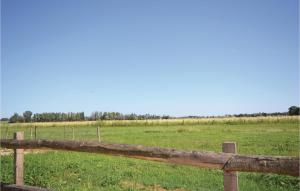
(230, 178)
(14, 187)
(19, 161)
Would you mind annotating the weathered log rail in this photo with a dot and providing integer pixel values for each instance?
(286, 165)
(14, 187)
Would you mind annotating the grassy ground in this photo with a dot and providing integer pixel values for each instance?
(83, 171)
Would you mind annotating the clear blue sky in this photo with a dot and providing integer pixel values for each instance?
(176, 57)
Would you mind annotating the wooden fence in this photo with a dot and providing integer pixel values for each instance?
(228, 160)
(33, 131)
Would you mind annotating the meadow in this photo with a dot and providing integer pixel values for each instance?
(83, 171)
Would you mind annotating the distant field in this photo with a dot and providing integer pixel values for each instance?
(83, 171)
(152, 122)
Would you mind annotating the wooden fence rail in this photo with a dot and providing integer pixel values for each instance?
(15, 187)
(225, 161)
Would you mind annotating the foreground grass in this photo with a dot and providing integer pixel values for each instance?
(83, 171)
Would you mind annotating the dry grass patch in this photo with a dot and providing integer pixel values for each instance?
(134, 185)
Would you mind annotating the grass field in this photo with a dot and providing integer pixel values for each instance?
(83, 171)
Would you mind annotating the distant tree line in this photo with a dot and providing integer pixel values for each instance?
(293, 110)
(79, 116)
(260, 114)
(119, 116)
(70, 116)
(46, 117)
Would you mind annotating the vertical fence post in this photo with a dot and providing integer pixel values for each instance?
(6, 133)
(98, 133)
(19, 161)
(64, 132)
(35, 133)
(30, 133)
(230, 178)
(73, 133)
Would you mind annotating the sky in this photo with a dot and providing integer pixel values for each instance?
(174, 57)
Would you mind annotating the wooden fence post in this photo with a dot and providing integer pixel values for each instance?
(6, 133)
(98, 133)
(64, 132)
(35, 133)
(230, 178)
(30, 133)
(19, 161)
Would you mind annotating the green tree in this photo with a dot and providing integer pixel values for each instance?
(293, 110)
(27, 116)
(4, 119)
(14, 118)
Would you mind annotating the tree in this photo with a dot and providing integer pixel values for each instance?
(4, 119)
(293, 110)
(27, 116)
(165, 117)
(14, 118)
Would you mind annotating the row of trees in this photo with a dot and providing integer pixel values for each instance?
(70, 116)
(79, 116)
(46, 117)
(119, 116)
(260, 114)
(26, 117)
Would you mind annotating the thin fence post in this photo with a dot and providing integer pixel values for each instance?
(73, 133)
(30, 133)
(64, 132)
(6, 133)
(19, 161)
(98, 133)
(35, 133)
(230, 178)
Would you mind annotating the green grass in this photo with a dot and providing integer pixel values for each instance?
(84, 171)
(265, 138)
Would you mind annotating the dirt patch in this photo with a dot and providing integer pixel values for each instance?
(134, 185)
(153, 131)
(181, 130)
